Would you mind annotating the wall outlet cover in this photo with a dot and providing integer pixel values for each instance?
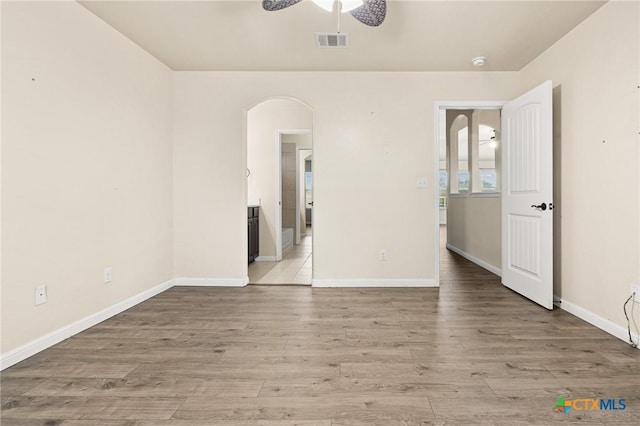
(384, 255)
(41, 295)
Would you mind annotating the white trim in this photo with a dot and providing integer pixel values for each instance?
(265, 259)
(29, 349)
(297, 230)
(595, 320)
(469, 104)
(278, 192)
(474, 195)
(489, 267)
(436, 180)
(485, 195)
(296, 131)
(210, 282)
(364, 282)
(301, 174)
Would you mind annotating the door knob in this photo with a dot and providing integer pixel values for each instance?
(542, 206)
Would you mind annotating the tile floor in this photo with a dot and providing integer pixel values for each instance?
(294, 268)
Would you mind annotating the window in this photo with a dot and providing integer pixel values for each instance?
(487, 158)
(308, 189)
(463, 162)
(463, 181)
(443, 189)
(472, 147)
(488, 180)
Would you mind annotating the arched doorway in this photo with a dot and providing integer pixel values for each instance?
(279, 139)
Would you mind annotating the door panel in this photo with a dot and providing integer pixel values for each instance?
(527, 195)
(524, 232)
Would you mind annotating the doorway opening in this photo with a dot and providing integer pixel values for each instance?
(524, 191)
(468, 164)
(279, 143)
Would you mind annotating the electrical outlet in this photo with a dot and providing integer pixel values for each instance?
(41, 294)
(107, 274)
(384, 255)
(635, 290)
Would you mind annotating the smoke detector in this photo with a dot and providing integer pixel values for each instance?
(332, 40)
(479, 61)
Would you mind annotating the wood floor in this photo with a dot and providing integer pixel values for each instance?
(471, 352)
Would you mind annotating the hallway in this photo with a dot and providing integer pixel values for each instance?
(294, 268)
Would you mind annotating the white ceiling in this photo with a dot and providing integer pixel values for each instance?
(417, 35)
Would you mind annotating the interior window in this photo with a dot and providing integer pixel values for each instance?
(463, 160)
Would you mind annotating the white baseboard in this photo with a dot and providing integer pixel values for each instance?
(29, 349)
(265, 259)
(211, 282)
(475, 260)
(387, 282)
(595, 320)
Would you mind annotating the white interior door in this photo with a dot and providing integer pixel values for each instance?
(527, 195)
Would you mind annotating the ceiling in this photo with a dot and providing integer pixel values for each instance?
(417, 35)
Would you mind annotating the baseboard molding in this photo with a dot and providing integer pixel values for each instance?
(29, 349)
(265, 259)
(211, 282)
(475, 260)
(388, 282)
(595, 320)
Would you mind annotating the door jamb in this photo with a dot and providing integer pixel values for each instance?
(300, 169)
(278, 198)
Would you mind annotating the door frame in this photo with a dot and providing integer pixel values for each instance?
(300, 169)
(278, 198)
(438, 134)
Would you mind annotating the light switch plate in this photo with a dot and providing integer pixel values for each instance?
(421, 183)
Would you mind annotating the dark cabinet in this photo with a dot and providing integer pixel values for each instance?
(253, 232)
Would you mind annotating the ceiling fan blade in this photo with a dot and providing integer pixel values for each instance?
(272, 5)
(371, 13)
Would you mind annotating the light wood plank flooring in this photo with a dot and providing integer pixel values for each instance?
(471, 352)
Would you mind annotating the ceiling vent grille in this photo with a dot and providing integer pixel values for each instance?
(332, 40)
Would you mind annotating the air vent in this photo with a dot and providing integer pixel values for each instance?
(332, 40)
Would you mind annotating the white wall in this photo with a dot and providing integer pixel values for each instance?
(302, 141)
(86, 168)
(263, 123)
(473, 227)
(373, 137)
(595, 71)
